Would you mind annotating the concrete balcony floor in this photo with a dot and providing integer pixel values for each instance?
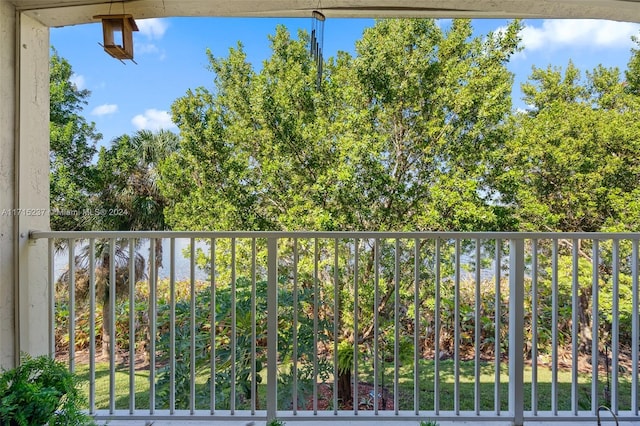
(604, 422)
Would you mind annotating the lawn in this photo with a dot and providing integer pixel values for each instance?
(405, 394)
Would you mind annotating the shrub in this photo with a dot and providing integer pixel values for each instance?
(40, 391)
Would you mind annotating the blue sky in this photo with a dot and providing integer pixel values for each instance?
(170, 56)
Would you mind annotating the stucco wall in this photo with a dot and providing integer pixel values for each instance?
(24, 184)
(32, 185)
(7, 119)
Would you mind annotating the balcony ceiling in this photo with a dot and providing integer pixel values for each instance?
(69, 12)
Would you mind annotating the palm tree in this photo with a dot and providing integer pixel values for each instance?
(126, 182)
(154, 149)
(131, 169)
(102, 269)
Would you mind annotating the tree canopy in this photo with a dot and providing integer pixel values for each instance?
(414, 130)
(396, 138)
(571, 162)
(72, 148)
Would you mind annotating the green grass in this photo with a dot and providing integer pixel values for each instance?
(487, 380)
(102, 382)
(405, 394)
(141, 381)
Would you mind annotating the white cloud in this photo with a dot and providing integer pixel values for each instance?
(105, 109)
(150, 49)
(143, 48)
(154, 120)
(153, 28)
(557, 33)
(79, 81)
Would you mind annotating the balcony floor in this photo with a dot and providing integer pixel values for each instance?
(360, 423)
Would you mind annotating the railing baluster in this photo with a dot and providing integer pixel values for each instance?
(356, 267)
(294, 393)
(436, 345)
(72, 304)
(132, 327)
(456, 331)
(376, 325)
(336, 324)
(172, 326)
(516, 330)
(153, 320)
(212, 378)
(234, 336)
(575, 330)
(554, 328)
(595, 318)
(396, 328)
(52, 297)
(615, 326)
(316, 301)
(534, 327)
(272, 328)
(416, 328)
(254, 338)
(92, 326)
(112, 325)
(498, 325)
(478, 296)
(192, 327)
(634, 328)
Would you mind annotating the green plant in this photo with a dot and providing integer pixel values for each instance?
(275, 422)
(345, 365)
(428, 423)
(40, 391)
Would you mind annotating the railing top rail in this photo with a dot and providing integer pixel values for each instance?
(334, 234)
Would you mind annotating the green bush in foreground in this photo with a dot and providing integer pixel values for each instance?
(40, 391)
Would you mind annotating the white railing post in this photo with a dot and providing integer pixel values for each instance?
(272, 327)
(516, 330)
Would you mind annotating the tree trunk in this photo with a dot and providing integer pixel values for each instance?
(158, 254)
(106, 305)
(344, 387)
(106, 321)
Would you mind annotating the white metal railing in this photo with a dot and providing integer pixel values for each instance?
(450, 326)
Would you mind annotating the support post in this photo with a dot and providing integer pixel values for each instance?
(24, 185)
(32, 185)
(516, 331)
(8, 42)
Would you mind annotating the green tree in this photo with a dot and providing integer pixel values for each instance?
(571, 163)
(128, 177)
(632, 73)
(394, 140)
(128, 199)
(397, 138)
(72, 148)
(425, 106)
